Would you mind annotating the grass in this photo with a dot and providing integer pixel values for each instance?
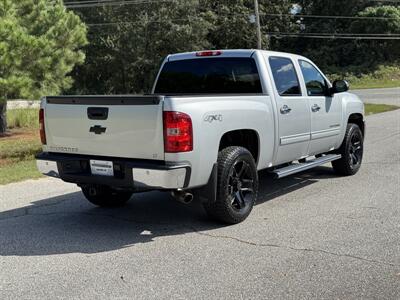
(18, 171)
(23, 118)
(382, 77)
(378, 108)
(374, 83)
(17, 155)
(20, 146)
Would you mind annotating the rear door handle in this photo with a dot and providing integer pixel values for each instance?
(315, 108)
(285, 109)
(97, 113)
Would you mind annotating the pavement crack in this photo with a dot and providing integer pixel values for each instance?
(236, 239)
(295, 248)
(345, 255)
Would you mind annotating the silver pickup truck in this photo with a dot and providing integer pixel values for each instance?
(213, 120)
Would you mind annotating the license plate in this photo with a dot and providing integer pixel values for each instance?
(102, 167)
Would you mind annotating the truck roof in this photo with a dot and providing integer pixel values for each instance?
(228, 53)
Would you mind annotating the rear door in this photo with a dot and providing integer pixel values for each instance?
(293, 110)
(326, 111)
(112, 126)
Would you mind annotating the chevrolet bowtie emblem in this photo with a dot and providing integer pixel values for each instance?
(97, 129)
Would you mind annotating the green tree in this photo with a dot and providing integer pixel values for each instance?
(128, 43)
(39, 45)
(232, 27)
(332, 53)
(389, 23)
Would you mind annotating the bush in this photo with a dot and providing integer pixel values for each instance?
(364, 77)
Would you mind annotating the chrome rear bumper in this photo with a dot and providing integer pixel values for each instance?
(166, 179)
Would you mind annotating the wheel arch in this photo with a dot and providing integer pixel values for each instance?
(358, 119)
(247, 138)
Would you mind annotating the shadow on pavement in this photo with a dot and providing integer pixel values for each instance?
(69, 224)
(270, 188)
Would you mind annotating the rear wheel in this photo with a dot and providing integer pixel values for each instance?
(237, 186)
(351, 150)
(105, 196)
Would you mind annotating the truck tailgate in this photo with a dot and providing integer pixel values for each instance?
(113, 126)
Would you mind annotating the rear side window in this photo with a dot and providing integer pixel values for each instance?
(285, 76)
(209, 76)
(315, 82)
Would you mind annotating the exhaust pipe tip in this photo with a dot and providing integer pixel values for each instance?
(188, 198)
(183, 197)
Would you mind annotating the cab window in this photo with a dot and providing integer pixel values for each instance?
(285, 76)
(222, 75)
(315, 83)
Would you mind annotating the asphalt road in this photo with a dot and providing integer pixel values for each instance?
(313, 235)
(380, 96)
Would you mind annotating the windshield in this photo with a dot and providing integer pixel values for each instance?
(209, 76)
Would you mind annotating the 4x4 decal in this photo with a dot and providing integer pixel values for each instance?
(211, 118)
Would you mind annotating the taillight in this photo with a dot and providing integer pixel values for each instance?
(41, 127)
(178, 133)
(209, 53)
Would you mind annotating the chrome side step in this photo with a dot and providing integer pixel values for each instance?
(292, 169)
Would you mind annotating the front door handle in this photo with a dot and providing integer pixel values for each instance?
(315, 108)
(285, 109)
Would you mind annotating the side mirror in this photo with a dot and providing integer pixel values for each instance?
(339, 86)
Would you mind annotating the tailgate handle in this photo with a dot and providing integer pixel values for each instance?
(97, 113)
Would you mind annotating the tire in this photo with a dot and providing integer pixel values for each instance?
(351, 150)
(105, 196)
(237, 186)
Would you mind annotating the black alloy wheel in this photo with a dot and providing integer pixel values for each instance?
(237, 186)
(351, 151)
(355, 150)
(241, 185)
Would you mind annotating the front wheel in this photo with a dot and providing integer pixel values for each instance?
(105, 196)
(351, 150)
(237, 186)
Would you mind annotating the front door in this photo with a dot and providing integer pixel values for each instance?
(293, 111)
(326, 111)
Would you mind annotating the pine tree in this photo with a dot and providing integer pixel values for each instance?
(40, 43)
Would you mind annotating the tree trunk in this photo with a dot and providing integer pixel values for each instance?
(3, 119)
